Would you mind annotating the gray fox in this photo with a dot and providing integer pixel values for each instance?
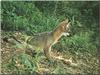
(44, 41)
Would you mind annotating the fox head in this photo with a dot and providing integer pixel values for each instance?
(65, 26)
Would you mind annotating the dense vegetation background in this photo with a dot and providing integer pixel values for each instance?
(39, 16)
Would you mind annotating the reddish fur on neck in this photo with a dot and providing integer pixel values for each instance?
(57, 33)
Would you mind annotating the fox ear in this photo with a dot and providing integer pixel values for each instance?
(66, 20)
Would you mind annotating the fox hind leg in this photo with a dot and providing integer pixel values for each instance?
(47, 51)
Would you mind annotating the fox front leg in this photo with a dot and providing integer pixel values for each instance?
(47, 51)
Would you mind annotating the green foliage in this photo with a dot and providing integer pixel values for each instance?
(22, 64)
(81, 43)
